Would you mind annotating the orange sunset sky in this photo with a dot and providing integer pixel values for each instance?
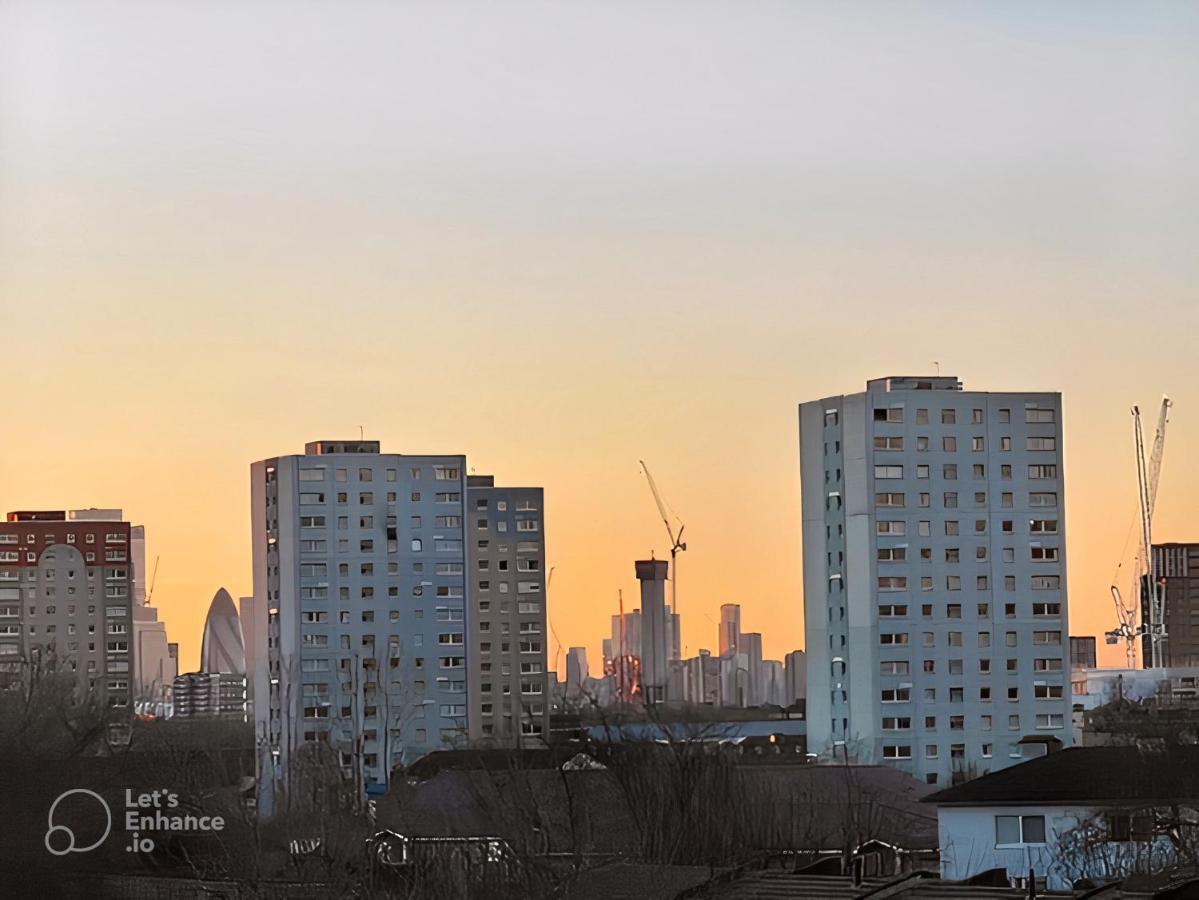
(560, 240)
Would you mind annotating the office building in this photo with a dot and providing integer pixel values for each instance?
(199, 695)
(934, 575)
(66, 596)
(1177, 567)
(154, 666)
(359, 606)
(506, 653)
(223, 647)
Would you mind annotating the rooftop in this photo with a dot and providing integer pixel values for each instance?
(1085, 775)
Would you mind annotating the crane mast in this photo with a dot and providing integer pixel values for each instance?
(676, 539)
(1152, 625)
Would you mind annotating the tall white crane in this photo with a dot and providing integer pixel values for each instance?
(1145, 567)
(676, 539)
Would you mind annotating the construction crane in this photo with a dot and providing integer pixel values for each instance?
(153, 581)
(1145, 566)
(676, 539)
(558, 652)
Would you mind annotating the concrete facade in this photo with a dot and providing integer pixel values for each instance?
(934, 575)
(66, 599)
(507, 634)
(359, 609)
(655, 624)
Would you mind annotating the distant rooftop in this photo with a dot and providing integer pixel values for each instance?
(27, 515)
(324, 448)
(914, 383)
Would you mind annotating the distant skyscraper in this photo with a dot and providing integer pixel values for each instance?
(223, 649)
(66, 597)
(655, 639)
(796, 665)
(934, 575)
(751, 649)
(576, 671)
(627, 642)
(730, 629)
(1178, 584)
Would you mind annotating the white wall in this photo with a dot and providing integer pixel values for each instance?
(966, 836)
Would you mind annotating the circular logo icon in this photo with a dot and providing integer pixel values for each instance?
(63, 830)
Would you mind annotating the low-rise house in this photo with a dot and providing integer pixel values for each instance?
(1081, 815)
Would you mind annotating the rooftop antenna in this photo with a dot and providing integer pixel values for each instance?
(938, 365)
(361, 433)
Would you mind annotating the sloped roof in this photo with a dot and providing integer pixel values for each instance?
(1086, 775)
(548, 810)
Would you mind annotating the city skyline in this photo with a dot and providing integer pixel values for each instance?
(561, 267)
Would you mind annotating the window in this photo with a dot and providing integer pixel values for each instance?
(896, 723)
(949, 417)
(1047, 637)
(892, 527)
(949, 444)
(1040, 443)
(893, 610)
(892, 554)
(446, 473)
(889, 414)
(895, 667)
(1035, 416)
(977, 444)
(1047, 498)
(896, 695)
(888, 443)
(1042, 526)
(888, 471)
(889, 499)
(891, 638)
(897, 751)
(949, 472)
(1039, 472)
(1014, 830)
(893, 583)
(1049, 720)
(922, 417)
(1047, 691)
(1043, 554)
(1046, 582)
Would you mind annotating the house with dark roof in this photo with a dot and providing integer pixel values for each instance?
(1077, 816)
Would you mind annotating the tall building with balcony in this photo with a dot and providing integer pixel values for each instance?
(506, 619)
(358, 618)
(934, 575)
(66, 599)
